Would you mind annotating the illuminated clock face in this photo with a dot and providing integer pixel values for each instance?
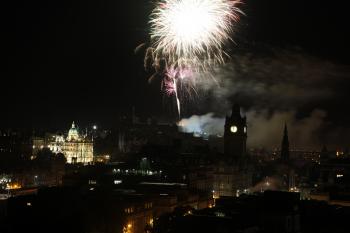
(233, 129)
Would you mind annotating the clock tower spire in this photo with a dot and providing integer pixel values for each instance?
(235, 136)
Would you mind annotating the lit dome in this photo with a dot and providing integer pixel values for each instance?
(73, 134)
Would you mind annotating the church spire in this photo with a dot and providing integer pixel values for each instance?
(285, 145)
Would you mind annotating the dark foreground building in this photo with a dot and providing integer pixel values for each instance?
(96, 208)
(271, 212)
(232, 172)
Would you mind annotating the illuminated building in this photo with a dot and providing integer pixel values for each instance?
(76, 148)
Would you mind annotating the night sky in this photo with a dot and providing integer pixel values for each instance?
(74, 60)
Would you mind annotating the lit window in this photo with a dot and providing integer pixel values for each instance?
(118, 181)
(219, 214)
(92, 182)
(129, 210)
(148, 205)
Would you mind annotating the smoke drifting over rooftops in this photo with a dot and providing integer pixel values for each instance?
(265, 130)
(275, 87)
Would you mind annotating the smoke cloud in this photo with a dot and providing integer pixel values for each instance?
(269, 183)
(264, 129)
(275, 87)
(274, 79)
(206, 124)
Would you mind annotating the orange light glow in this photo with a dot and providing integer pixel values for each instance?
(13, 186)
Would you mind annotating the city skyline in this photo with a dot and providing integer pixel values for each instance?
(175, 116)
(69, 61)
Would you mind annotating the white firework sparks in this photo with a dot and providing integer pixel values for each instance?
(187, 37)
(191, 33)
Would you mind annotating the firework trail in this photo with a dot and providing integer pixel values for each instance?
(188, 36)
(177, 99)
(170, 83)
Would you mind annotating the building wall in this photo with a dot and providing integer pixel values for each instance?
(38, 144)
(74, 151)
(78, 152)
(138, 217)
(231, 180)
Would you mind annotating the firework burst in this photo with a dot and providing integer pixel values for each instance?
(187, 37)
(191, 33)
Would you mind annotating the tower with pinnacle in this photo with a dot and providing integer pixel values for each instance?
(285, 145)
(235, 134)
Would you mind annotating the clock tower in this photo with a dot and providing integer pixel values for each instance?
(235, 136)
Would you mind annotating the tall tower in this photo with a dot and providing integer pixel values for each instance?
(285, 145)
(235, 136)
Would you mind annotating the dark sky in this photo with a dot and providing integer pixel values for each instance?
(74, 60)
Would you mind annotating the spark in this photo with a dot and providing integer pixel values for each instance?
(191, 33)
(171, 85)
(187, 38)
